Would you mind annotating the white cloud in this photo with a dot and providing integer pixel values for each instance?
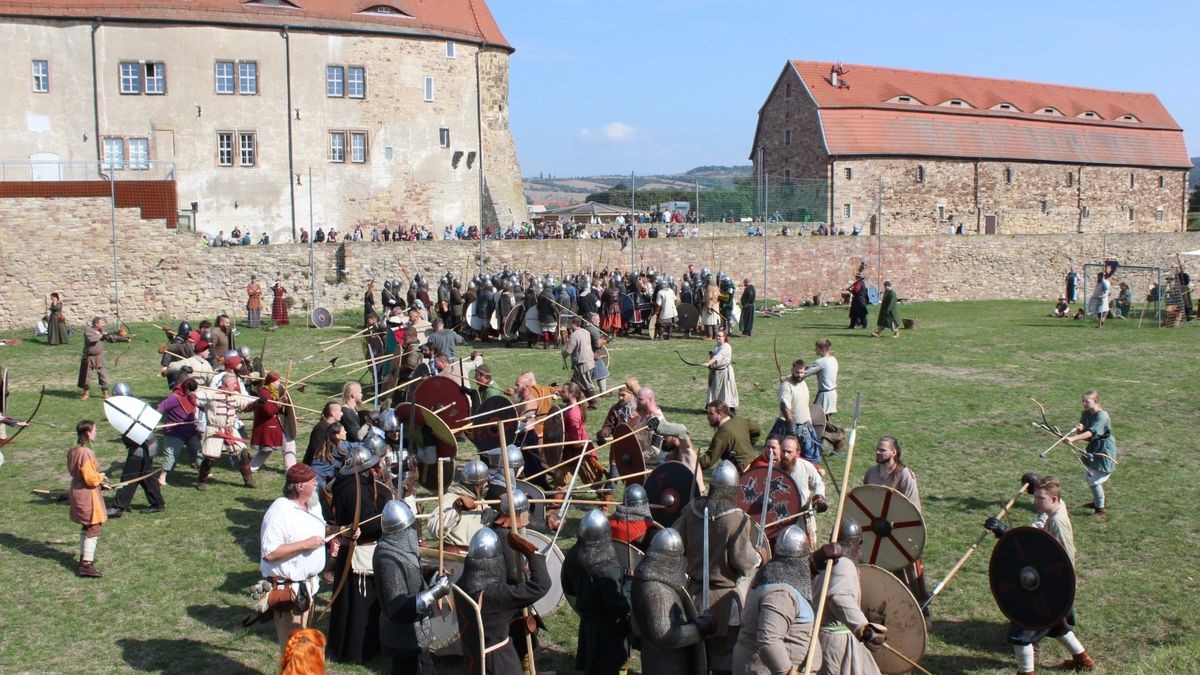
(616, 132)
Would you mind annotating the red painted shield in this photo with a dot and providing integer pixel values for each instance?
(783, 501)
(442, 395)
(893, 532)
(670, 486)
(627, 454)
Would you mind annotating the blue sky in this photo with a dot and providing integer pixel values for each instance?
(661, 86)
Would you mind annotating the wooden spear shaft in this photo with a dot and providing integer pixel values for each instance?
(530, 668)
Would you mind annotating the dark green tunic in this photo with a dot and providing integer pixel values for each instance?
(889, 311)
(602, 602)
(56, 326)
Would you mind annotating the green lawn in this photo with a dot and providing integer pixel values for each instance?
(955, 392)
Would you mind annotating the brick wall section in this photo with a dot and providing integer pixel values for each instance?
(166, 273)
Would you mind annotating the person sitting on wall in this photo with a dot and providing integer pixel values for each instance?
(1062, 309)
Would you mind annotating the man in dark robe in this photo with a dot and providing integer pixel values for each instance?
(889, 312)
(592, 576)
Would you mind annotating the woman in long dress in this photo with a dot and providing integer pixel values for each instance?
(279, 311)
(722, 386)
(57, 328)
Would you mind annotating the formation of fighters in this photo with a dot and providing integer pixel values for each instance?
(726, 559)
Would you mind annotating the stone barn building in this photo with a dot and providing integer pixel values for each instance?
(934, 152)
(400, 108)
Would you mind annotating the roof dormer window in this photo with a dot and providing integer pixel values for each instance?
(905, 99)
(278, 4)
(955, 103)
(1008, 107)
(386, 10)
(1128, 118)
(1088, 115)
(1050, 111)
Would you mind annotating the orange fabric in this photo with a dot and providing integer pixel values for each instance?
(87, 506)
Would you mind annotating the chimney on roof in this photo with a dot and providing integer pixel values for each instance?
(835, 76)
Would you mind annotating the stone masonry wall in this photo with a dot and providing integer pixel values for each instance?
(165, 273)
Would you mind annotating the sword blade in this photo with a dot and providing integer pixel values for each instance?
(704, 573)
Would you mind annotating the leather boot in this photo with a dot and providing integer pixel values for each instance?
(88, 570)
(87, 393)
(202, 474)
(1079, 661)
(247, 472)
(104, 393)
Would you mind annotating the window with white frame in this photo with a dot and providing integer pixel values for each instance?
(846, 211)
(247, 148)
(131, 77)
(156, 78)
(248, 78)
(223, 75)
(848, 172)
(139, 154)
(444, 137)
(1158, 214)
(428, 87)
(41, 76)
(450, 49)
(335, 81)
(224, 148)
(356, 82)
(337, 146)
(114, 153)
(358, 147)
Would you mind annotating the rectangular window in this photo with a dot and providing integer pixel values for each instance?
(1070, 179)
(337, 146)
(224, 77)
(1132, 213)
(246, 148)
(335, 81)
(444, 137)
(449, 49)
(428, 87)
(358, 147)
(787, 137)
(1045, 206)
(1162, 181)
(131, 77)
(114, 153)
(139, 154)
(224, 148)
(1132, 181)
(848, 172)
(1008, 175)
(1083, 212)
(846, 210)
(248, 77)
(787, 175)
(1158, 214)
(941, 214)
(156, 78)
(920, 173)
(356, 82)
(41, 78)
(787, 90)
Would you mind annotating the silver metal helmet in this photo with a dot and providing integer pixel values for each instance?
(850, 532)
(520, 503)
(594, 526)
(484, 545)
(377, 445)
(360, 458)
(396, 516)
(122, 389)
(232, 354)
(245, 352)
(387, 420)
(792, 543)
(473, 473)
(516, 459)
(635, 495)
(666, 541)
(725, 475)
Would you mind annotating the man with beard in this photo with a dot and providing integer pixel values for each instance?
(583, 361)
(794, 415)
(732, 556)
(632, 523)
(358, 492)
(483, 579)
(591, 575)
(405, 600)
(461, 517)
(672, 630)
(808, 481)
(890, 471)
(734, 438)
(222, 339)
(777, 623)
(847, 637)
(620, 412)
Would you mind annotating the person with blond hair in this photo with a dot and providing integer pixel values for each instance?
(1101, 457)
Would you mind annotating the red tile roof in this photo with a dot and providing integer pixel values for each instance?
(467, 20)
(858, 119)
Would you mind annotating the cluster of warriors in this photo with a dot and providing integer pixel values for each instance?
(375, 507)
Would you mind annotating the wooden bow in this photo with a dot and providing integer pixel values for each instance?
(353, 543)
(10, 439)
(775, 351)
(686, 362)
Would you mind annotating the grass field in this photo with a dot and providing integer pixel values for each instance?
(956, 392)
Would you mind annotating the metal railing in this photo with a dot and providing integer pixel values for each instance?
(91, 170)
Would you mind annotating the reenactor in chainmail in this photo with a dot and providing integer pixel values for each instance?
(593, 578)
(548, 315)
(461, 515)
(847, 636)
(483, 579)
(732, 558)
(516, 569)
(456, 305)
(665, 619)
(777, 622)
(181, 347)
(504, 306)
(632, 523)
(406, 601)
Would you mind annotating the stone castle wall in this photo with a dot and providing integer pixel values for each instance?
(64, 245)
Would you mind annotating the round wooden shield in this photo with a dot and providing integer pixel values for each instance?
(882, 593)
(513, 320)
(736, 314)
(789, 301)
(893, 532)
(628, 555)
(872, 295)
(1032, 578)
(491, 412)
(421, 424)
(494, 321)
(321, 318)
(689, 317)
(627, 455)
(445, 641)
(533, 323)
(473, 320)
(783, 499)
(626, 308)
(670, 486)
(552, 600)
(441, 394)
(818, 418)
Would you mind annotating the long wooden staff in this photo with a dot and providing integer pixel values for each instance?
(255, 398)
(910, 662)
(401, 386)
(572, 459)
(441, 487)
(331, 340)
(489, 412)
(615, 478)
(837, 524)
(335, 343)
(1027, 481)
(131, 481)
(530, 668)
